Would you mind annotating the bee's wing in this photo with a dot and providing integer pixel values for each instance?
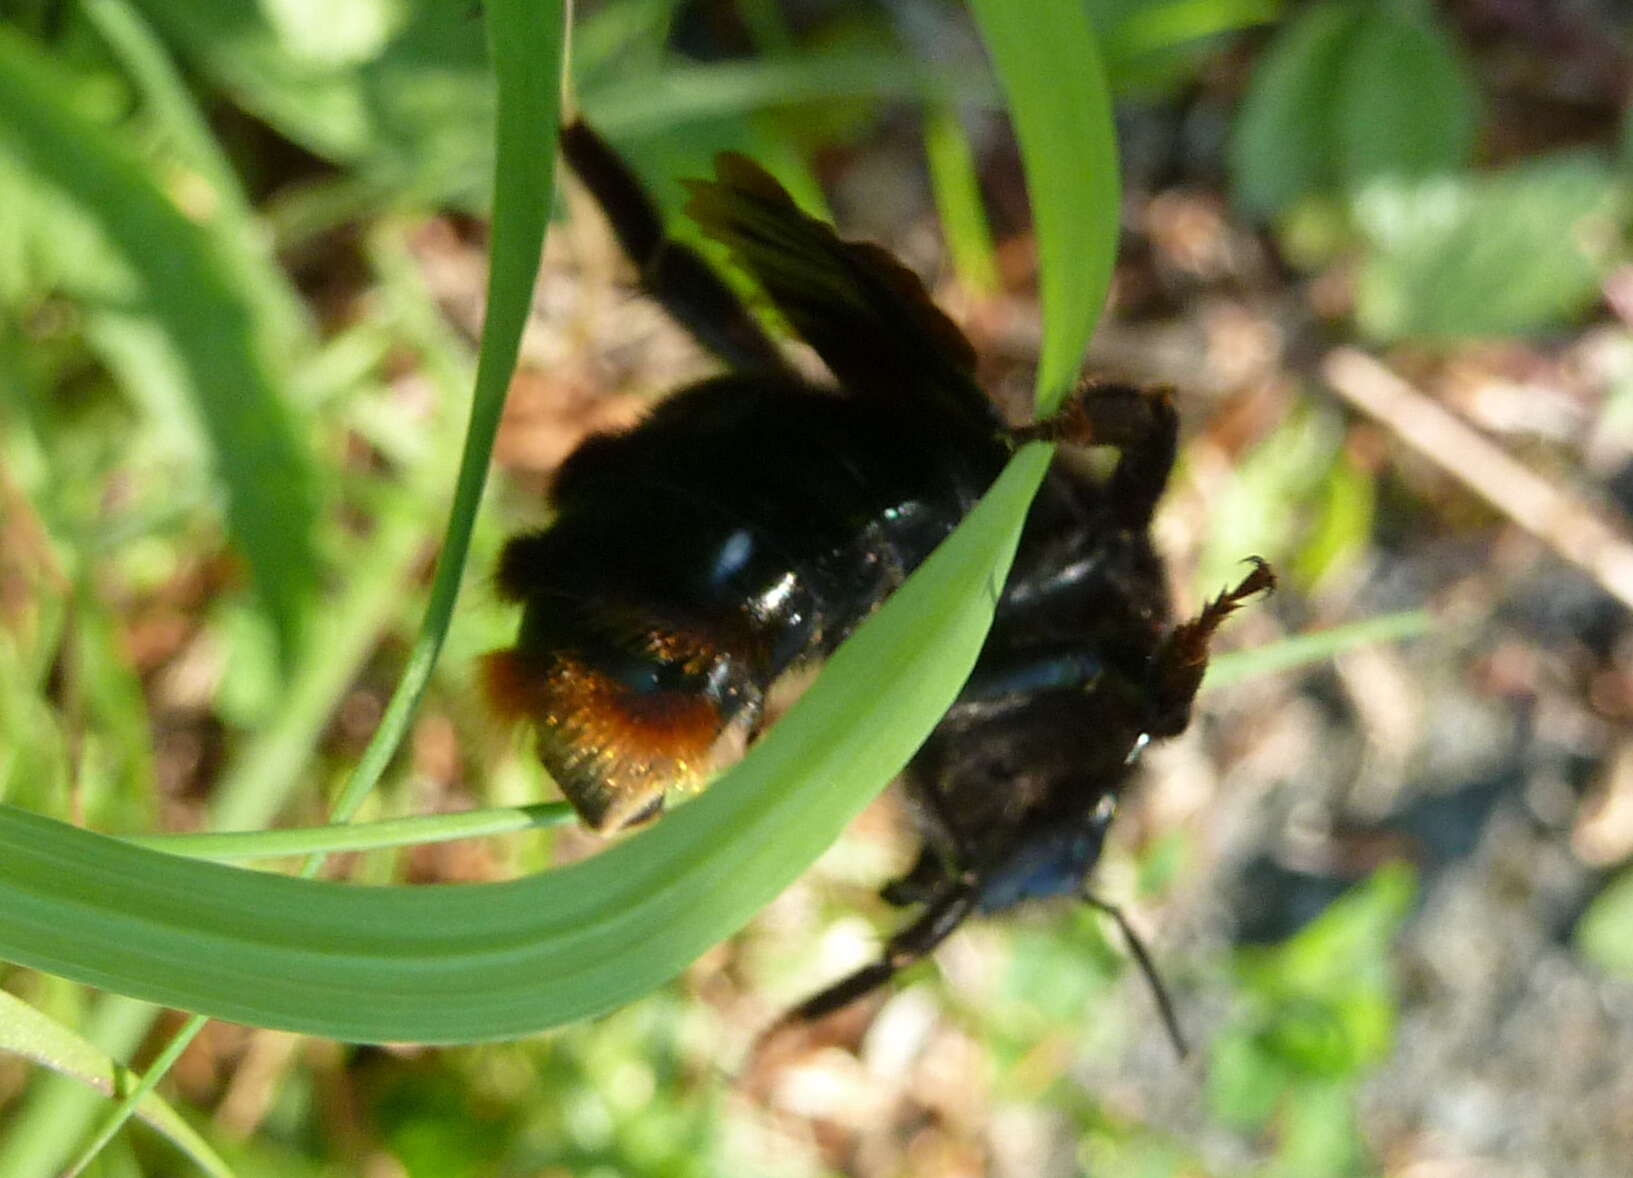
(866, 314)
(672, 273)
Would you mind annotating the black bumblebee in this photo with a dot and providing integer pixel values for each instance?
(752, 521)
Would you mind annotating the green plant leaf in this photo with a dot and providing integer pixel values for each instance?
(957, 189)
(527, 43)
(190, 289)
(459, 963)
(1317, 646)
(1048, 63)
(1520, 250)
(1407, 105)
(359, 836)
(26, 1032)
(455, 963)
(1282, 143)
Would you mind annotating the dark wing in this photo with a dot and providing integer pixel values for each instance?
(867, 315)
(671, 273)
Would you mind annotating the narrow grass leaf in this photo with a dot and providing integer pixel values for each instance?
(26, 1032)
(359, 836)
(957, 187)
(527, 41)
(1316, 647)
(226, 213)
(54, 1113)
(190, 290)
(1048, 63)
(455, 963)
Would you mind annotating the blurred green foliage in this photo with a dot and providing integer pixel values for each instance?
(1605, 932)
(1498, 253)
(1317, 1012)
(1357, 133)
(1349, 92)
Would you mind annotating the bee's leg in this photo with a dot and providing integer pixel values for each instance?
(931, 927)
(1177, 668)
(1142, 423)
(945, 853)
(919, 885)
(673, 274)
(1165, 1005)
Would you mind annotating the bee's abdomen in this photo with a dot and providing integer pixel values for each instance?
(743, 529)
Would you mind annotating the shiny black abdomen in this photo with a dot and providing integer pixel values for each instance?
(761, 516)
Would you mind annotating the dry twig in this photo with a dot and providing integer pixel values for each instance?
(1564, 522)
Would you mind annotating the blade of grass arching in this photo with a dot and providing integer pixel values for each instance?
(359, 836)
(271, 496)
(1317, 647)
(527, 45)
(527, 41)
(1048, 63)
(457, 963)
(957, 190)
(466, 962)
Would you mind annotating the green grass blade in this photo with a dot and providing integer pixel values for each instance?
(26, 1032)
(141, 1091)
(190, 289)
(466, 962)
(957, 190)
(456, 963)
(527, 41)
(1049, 65)
(41, 1133)
(359, 836)
(1318, 646)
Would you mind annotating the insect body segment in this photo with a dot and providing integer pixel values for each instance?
(744, 529)
(751, 521)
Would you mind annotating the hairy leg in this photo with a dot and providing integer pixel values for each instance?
(931, 927)
(1141, 423)
(1177, 669)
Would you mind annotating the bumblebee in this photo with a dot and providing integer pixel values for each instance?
(749, 523)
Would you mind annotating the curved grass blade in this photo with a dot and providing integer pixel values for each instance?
(527, 41)
(359, 836)
(1048, 62)
(456, 963)
(191, 289)
(43, 1127)
(527, 50)
(26, 1032)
